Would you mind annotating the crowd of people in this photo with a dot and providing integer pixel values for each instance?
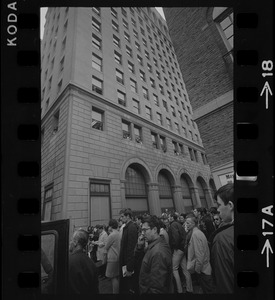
(158, 254)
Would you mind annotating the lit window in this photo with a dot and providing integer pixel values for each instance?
(96, 62)
(97, 119)
(121, 98)
(131, 67)
(97, 85)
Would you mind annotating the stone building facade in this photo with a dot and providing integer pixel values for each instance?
(203, 41)
(102, 152)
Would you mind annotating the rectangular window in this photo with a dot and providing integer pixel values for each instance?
(129, 51)
(181, 149)
(115, 26)
(132, 11)
(137, 46)
(134, 23)
(121, 98)
(152, 82)
(124, 12)
(61, 68)
(159, 117)
(176, 80)
(175, 147)
(170, 75)
(184, 130)
(97, 119)
(180, 114)
(154, 138)
(162, 68)
(136, 106)
(161, 89)
(148, 112)
(158, 75)
(96, 62)
(138, 134)
(146, 53)
(116, 41)
(127, 37)
(163, 143)
(126, 130)
(142, 75)
(176, 100)
(118, 58)
(59, 86)
(96, 42)
(139, 58)
(191, 134)
(55, 122)
(157, 45)
(183, 105)
(196, 138)
(155, 62)
(97, 85)
(168, 121)
(167, 64)
(48, 199)
(196, 155)
(119, 76)
(191, 154)
(160, 57)
(165, 105)
(150, 39)
(189, 111)
(187, 120)
(96, 24)
(169, 95)
(140, 21)
(135, 33)
(131, 67)
(153, 50)
(156, 99)
(179, 92)
(177, 128)
(145, 93)
(173, 110)
(113, 12)
(149, 68)
(133, 85)
(148, 29)
(96, 10)
(165, 81)
(144, 42)
(125, 24)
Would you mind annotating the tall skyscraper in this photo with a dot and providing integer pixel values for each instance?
(203, 41)
(117, 124)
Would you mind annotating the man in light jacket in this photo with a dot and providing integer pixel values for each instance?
(198, 255)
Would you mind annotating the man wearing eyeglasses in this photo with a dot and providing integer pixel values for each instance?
(217, 221)
(156, 269)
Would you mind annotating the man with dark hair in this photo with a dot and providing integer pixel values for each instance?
(126, 258)
(82, 270)
(198, 261)
(177, 239)
(222, 241)
(156, 268)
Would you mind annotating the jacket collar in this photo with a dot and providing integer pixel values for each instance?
(156, 241)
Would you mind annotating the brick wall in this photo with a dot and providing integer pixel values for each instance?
(199, 48)
(217, 134)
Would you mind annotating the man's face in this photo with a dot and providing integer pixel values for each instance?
(195, 212)
(123, 218)
(217, 220)
(147, 232)
(181, 219)
(225, 210)
(190, 224)
(166, 223)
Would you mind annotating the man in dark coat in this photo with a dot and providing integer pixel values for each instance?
(83, 277)
(222, 242)
(126, 259)
(156, 268)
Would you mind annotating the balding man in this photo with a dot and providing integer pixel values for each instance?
(83, 277)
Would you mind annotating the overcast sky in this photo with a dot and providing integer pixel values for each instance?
(43, 11)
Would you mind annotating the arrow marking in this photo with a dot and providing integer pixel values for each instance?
(268, 248)
(267, 90)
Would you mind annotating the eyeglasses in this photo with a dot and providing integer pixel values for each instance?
(145, 229)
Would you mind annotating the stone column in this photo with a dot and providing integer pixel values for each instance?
(122, 193)
(208, 197)
(153, 199)
(177, 196)
(195, 196)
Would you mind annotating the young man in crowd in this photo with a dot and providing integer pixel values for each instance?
(177, 240)
(156, 269)
(222, 241)
(126, 258)
(198, 254)
(82, 270)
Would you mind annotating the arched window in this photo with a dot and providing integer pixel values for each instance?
(186, 195)
(223, 17)
(165, 193)
(136, 190)
(201, 194)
